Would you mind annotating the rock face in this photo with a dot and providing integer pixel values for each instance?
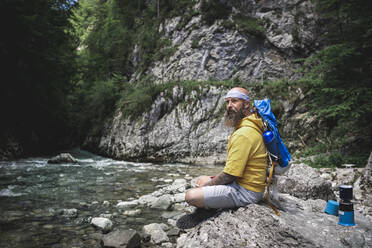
(217, 53)
(172, 130)
(187, 127)
(303, 224)
(183, 126)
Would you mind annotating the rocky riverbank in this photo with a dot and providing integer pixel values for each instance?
(302, 223)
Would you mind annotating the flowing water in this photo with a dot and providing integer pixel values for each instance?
(36, 197)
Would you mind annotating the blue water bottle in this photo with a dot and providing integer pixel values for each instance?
(271, 144)
(268, 137)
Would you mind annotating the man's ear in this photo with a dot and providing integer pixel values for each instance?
(247, 107)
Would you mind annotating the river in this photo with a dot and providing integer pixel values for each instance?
(38, 200)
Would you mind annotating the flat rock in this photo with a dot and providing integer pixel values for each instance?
(302, 224)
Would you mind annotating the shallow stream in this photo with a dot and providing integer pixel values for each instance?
(35, 197)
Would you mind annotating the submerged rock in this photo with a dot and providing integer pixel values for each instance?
(69, 213)
(127, 204)
(63, 158)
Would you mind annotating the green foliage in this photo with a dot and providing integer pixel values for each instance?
(249, 25)
(105, 37)
(186, 18)
(165, 50)
(91, 105)
(339, 76)
(336, 160)
(109, 31)
(135, 99)
(228, 24)
(332, 160)
(214, 10)
(37, 53)
(179, 8)
(195, 43)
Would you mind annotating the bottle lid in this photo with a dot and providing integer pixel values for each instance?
(268, 136)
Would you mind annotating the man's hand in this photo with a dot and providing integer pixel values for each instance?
(221, 179)
(202, 181)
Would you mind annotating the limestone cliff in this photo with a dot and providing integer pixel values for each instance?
(188, 127)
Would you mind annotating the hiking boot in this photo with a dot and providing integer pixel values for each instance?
(199, 215)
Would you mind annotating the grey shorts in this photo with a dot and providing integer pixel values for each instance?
(229, 196)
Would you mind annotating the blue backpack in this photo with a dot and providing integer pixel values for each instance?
(276, 149)
(274, 144)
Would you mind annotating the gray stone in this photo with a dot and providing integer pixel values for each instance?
(146, 199)
(102, 223)
(122, 238)
(180, 197)
(70, 213)
(167, 245)
(158, 235)
(164, 202)
(132, 212)
(305, 182)
(174, 232)
(170, 215)
(127, 204)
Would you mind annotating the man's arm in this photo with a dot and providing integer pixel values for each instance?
(221, 179)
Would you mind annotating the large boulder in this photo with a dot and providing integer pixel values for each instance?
(302, 224)
(305, 182)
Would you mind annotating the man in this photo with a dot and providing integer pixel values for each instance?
(242, 180)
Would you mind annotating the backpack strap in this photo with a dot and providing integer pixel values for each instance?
(271, 173)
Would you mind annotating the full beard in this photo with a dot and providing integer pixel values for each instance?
(232, 118)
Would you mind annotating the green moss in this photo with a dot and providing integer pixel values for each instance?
(249, 25)
(228, 24)
(195, 43)
(137, 98)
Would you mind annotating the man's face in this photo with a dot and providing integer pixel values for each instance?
(235, 111)
(234, 104)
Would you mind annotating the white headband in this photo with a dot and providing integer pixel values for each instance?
(237, 94)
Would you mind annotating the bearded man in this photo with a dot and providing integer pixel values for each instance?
(243, 178)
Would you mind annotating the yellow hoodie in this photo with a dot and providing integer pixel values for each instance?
(247, 154)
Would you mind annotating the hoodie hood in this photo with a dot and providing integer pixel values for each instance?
(252, 121)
